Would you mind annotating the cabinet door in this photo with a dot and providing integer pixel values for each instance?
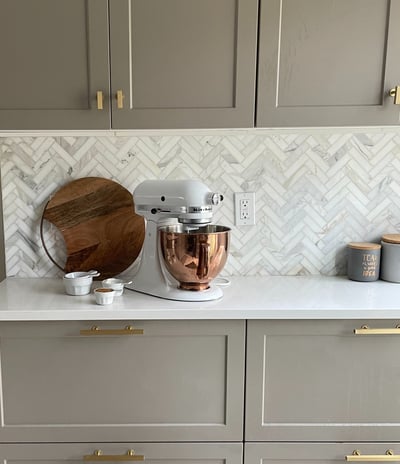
(328, 62)
(183, 63)
(318, 381)
(179, 381)
(317, 453)
(193, 453)
(54, 60)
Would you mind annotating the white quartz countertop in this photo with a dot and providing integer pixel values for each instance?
(309, 297)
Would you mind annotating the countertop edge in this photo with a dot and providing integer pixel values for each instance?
(274, 297)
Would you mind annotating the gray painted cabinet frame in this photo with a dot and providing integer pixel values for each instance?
(193, 453)
(317, 453)
(318, 381)
(179, 381)
(176, 64)
(54, 60)
(328, 63)
(183, 64)
(314, 385)
(192, 64)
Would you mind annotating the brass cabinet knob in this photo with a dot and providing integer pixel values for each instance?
(395, 93)
(100, 99)
(120, 99)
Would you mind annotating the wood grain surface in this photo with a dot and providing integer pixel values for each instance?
(98, 222)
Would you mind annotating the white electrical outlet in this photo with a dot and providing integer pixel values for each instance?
(245, 209)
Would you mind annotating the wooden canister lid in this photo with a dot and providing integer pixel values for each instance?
(391, 238)
(364, 245)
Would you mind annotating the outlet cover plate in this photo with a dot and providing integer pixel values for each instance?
(245, 209)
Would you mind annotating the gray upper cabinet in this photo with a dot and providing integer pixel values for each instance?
(176, 381)
(54, 58)
(174, 63)
(319, 381)
(192, 63)
(328, 62)
(183, 63)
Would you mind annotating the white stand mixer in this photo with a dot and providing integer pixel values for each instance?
(177, 203)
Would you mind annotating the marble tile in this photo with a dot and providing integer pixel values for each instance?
(315, 191)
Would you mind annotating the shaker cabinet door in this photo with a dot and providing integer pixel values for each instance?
(151, 453)
(176, 381)
(183, 63)
(328, 62)
(319, 381)
(54, 61)
(316, 453)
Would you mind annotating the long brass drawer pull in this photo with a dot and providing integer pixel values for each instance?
(357, 456)
(128, 330)
(365, 330)
(120, 99)
(99, 456)
(100, 100)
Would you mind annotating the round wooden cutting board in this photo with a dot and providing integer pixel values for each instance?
(97, 220)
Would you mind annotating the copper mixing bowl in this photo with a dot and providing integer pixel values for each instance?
(194, 257)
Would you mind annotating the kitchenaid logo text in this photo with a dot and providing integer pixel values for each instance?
(200, 209)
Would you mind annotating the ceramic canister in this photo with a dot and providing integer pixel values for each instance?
(390, 265)
(363, 261)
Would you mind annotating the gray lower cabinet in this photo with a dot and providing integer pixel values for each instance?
(322, 391)
(54, 57)
(319, 381)
(176, 381)
(328, 62)
(193, 453)
(317, 453)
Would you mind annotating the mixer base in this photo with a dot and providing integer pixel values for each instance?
(176, 294)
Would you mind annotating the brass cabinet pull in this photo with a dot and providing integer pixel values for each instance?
(99, 456)
(128, 330)
(357, 456)
(100, 99)
(395, 93)
(365, 330)
(120, 99)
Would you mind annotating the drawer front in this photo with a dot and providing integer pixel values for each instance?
(178, 381)
(168, 453)
(318, 381)
(317, 453)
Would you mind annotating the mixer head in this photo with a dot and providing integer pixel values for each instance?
(189, 201)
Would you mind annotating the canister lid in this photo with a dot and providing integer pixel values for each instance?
(391, 238)
(365, 245)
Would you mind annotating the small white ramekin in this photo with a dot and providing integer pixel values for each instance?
(115, 284)
(104, 296)
(77, 283)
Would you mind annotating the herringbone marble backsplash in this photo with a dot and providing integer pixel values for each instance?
(314, 191)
